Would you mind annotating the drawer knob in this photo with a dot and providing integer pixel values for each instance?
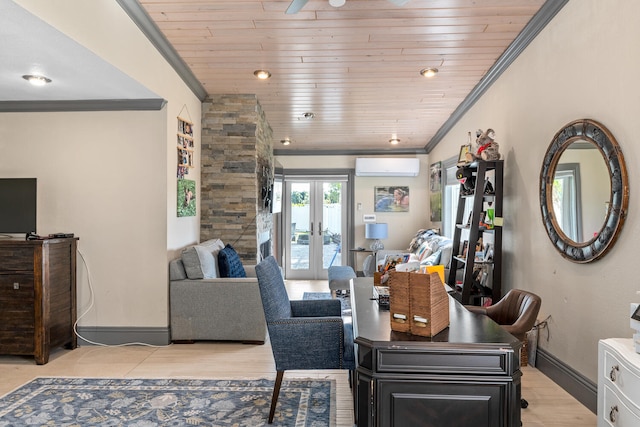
(613, 414)
(613, 374)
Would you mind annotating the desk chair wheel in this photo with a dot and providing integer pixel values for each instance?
(523, 403)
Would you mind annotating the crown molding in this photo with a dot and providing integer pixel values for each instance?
(153, 104)
(142, 19)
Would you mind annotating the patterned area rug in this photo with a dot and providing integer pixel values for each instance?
(75, 402)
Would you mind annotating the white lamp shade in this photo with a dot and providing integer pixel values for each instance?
(375, 231)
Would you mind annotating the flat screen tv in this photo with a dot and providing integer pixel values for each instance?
(18, 205)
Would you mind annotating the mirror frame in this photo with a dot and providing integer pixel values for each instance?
(595, 133)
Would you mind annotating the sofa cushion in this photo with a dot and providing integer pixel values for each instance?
(229, 263)
(176, 270)
(214, 246)
(199, 263)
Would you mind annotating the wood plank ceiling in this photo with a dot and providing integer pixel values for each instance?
(356, 68)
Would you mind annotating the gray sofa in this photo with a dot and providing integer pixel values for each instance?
(217, 309)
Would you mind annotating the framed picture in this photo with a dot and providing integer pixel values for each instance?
(435, 201)
(435, 187)
(462, 157)
(391, 199)
(185, 147)
(435, 177)
(186, 198)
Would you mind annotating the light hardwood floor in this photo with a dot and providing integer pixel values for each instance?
(549, 405)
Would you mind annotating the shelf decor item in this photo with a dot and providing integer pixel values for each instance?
(418, 303)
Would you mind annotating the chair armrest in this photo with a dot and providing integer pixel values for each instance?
(307, 342)
(476, 309)
(316, 308)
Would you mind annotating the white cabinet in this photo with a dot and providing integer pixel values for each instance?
(618, 383)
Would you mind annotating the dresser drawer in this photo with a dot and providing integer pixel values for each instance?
(16, 290)
(617, 412)
(447, 361)
(620, 375)
(16, 258)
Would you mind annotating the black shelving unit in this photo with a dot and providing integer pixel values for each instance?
(466, 292)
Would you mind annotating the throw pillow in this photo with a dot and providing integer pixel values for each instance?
(229, 263)
(424, 251)
(433, 259)
(199, 263)
(214, 246)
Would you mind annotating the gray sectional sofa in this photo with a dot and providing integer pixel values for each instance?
(213, 308)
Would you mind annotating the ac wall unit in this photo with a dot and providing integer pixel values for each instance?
(388, 166)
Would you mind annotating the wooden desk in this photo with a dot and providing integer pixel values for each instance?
(467, 375)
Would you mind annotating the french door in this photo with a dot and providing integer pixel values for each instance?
(315, 224)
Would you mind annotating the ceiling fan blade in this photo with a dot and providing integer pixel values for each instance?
(295, 6)
(399, 2)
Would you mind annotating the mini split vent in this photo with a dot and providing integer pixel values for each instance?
(393, 166)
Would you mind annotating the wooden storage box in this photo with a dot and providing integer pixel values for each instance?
(399, 305)
(377, 278)
(418, 303)
(429, 304)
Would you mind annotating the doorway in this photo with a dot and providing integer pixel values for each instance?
(315, 223)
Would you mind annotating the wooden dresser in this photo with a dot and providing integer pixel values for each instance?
(37, 296)
(618, 383)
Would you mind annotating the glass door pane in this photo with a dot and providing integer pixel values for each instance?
(300, 240)
(332, 217)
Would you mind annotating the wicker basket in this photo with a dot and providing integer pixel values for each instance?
(418, 303)
(399, 305)
(429, 304)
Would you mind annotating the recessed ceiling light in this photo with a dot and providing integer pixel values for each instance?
(429, 72)
(394, 141)
(285, 141)
(36, 80)
(308, 115)
(262, 74)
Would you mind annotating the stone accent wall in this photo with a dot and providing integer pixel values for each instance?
(236, 145)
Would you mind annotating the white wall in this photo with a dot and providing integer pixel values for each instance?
(583, 65)
(94, 180)
(110, 177)
(402, 225)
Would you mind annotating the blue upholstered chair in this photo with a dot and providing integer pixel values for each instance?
(303, 334)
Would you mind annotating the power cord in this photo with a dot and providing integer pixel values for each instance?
(91, 303)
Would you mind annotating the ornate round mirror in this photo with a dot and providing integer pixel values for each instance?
(584, 191)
